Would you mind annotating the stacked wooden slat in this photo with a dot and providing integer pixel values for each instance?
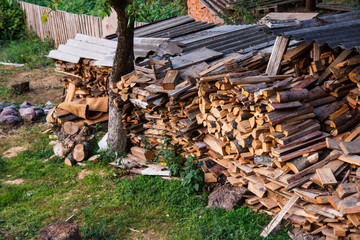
(89, 80)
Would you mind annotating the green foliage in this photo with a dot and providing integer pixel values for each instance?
(171, 155)
(12, 24)
(140, 10)
(242, 12)
(4, 91)
(192, 177)
(155, 10)
(29, 50)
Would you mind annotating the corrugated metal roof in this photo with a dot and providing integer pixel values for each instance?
(227, 39)
(184, 30)
(338, 30)
(172, 27)
(103, 50)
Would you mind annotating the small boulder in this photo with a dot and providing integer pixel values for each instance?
(60, 231)
(8, 111)
(28, 113)
(39, 113)
(10, 120)
(25, 104)
(10, 107)
(226, 196)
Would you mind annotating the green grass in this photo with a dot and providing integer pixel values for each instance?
(109, 205)
(29, 50)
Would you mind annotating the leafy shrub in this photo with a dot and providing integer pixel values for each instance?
(12, 23)
(171, 155)
(30, 50)
(155, 10)
(242, 12)
(192, 177)
(145, 11)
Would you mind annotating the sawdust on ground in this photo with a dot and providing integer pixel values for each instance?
(13, 152)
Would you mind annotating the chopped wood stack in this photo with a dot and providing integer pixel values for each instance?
(270, 134)
(89, 80)
(85, 95)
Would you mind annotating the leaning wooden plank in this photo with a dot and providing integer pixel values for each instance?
(194, 57)
(353, 134)
(277, 219)
(280, 46)
(352, 159)
(332, 144)
(350, 147)
(339, 59)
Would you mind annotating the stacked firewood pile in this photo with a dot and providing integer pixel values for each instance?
(289, 138)
(273, 135)
(85, 94)
(164, 103)
(90, 80)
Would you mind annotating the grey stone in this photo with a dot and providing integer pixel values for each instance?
(226, 196)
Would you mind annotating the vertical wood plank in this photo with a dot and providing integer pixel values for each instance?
(279, 48)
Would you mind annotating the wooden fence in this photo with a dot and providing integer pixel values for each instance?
(62, 26)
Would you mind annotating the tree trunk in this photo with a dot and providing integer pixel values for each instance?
(117, 136)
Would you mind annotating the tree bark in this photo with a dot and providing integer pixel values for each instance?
(117, 135)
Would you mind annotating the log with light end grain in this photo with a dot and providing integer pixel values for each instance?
(70, 161)
(81, 151)
(215, 144)
(292, 95)
(70, 128)
(346, 125)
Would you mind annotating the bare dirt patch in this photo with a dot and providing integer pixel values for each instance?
(13, 152)
(83, 173)
(45, 84)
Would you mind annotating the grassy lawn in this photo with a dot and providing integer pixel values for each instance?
(107, 203)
